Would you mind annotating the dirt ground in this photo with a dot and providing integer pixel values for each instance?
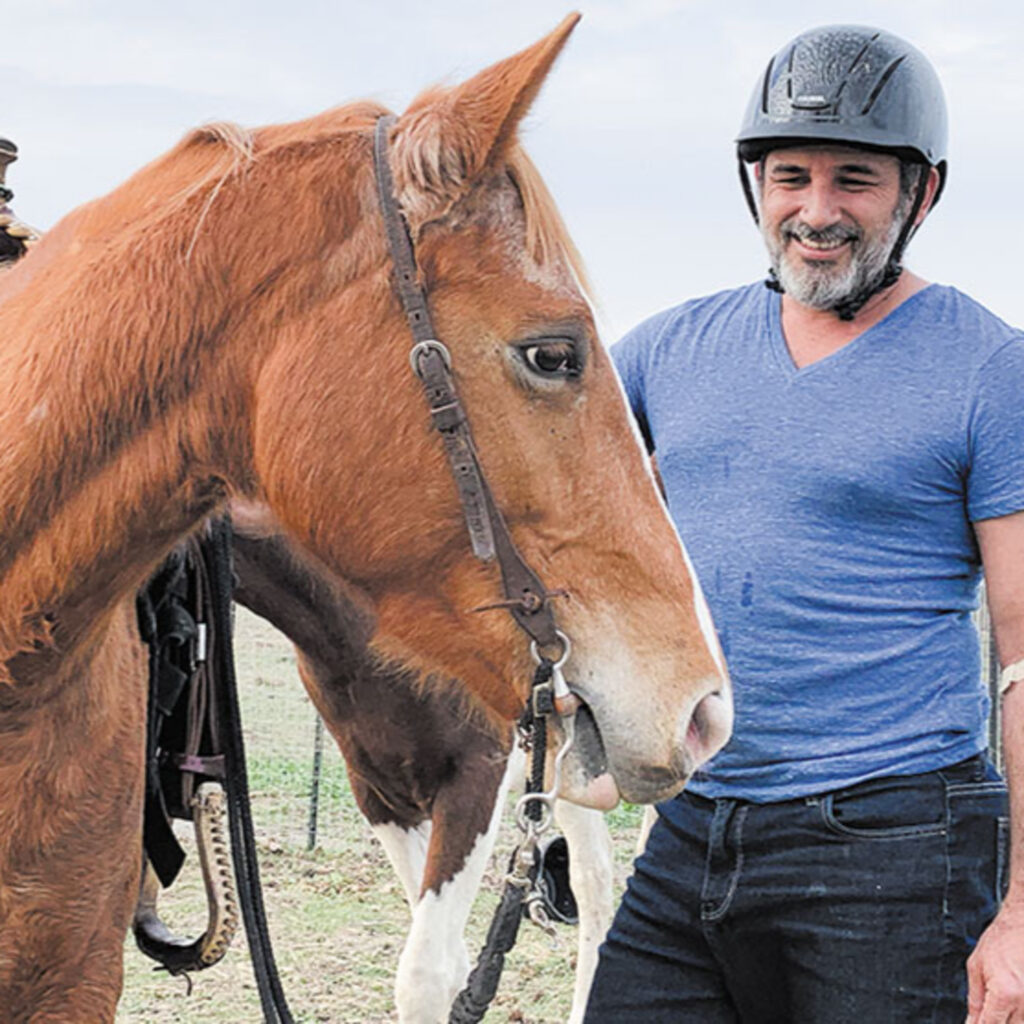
(337, 914)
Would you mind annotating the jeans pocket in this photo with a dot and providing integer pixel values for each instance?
(894, 808)
(978, 854)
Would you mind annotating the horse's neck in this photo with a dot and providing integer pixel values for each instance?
(327, 619)
(101, 469)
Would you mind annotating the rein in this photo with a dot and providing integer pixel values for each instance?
(526, 599)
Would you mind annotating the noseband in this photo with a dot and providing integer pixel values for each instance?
(526, 597)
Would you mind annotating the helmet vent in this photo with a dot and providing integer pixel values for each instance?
(864, 49)
(766, 87)
(853, 66)
(880, 85)
(811, 102)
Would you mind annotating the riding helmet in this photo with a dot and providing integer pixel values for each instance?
(852, 85)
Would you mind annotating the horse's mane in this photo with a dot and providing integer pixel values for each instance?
(238, 143)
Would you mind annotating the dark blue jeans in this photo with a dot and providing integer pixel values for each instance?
(859, 906)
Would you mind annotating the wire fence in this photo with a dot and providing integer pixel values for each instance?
(298, 781)
(297, 778)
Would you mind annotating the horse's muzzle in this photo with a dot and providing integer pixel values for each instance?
(611, 754)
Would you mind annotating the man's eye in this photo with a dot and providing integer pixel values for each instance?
(552, 358)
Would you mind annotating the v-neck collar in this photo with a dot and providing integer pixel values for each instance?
(784, 358)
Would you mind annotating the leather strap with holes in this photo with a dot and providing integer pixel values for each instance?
(529, 600)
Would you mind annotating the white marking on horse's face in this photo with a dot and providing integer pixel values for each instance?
(701, 608)
(604, 669)
(707, 625)
(688, 725)
(39, 412)
(556, 277)
(434, 964)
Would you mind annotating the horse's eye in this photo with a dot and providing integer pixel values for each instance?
(557, 358)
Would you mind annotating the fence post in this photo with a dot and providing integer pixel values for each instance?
(314, 790)
(990, 668)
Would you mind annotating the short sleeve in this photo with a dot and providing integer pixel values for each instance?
(995, 481)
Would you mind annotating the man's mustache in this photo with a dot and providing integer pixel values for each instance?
(803, 232)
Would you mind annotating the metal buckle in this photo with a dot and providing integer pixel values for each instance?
(565, 702)
(535, 829)
(430, 345)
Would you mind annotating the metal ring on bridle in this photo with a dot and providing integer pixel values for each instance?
(542, 824)
(562, 658)
(430, 345)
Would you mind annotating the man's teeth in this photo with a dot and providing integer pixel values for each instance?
(823, 246)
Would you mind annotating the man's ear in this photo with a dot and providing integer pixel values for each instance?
(931, 189)
(448, 138)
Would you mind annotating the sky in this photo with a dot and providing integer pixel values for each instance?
(633, 132)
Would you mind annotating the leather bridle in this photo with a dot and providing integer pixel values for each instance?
(526, 597)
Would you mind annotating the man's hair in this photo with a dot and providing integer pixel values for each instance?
(910, 175)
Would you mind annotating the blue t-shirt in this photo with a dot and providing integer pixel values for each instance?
(828, 513)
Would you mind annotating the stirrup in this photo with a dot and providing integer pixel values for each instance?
(152, 936)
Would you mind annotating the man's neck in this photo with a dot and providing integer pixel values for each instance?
(813, 334)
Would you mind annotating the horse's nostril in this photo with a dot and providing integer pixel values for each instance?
(589, 743)
(707, 728)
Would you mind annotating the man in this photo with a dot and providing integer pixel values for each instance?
(840, 452)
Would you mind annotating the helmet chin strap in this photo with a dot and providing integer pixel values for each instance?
(848, 308)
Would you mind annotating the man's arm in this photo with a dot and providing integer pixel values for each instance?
(995, 970)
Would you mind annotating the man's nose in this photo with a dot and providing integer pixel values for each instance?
(821, 206)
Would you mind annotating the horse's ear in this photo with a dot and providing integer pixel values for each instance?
(449, 137)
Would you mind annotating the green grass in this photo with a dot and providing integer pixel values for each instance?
(337, 914)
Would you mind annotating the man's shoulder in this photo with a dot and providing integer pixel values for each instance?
(970, 325)
(688, 321)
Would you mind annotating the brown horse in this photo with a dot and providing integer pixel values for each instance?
(225, 323)
(427, 770)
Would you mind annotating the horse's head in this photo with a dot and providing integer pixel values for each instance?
(343, 450)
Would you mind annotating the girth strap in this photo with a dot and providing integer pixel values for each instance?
(169, 629)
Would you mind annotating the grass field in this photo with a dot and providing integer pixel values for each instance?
(337, 914)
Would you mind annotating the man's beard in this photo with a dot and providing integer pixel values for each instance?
(823, 284)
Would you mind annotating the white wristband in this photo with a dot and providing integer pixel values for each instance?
(1010, 675)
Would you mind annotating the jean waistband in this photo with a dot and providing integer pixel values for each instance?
(976, 768)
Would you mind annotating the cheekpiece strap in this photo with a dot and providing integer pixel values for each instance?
(488, 531)
(414, 299)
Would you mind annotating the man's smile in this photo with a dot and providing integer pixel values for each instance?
(820, 246)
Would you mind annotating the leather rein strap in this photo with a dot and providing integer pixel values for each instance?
(527, 598)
